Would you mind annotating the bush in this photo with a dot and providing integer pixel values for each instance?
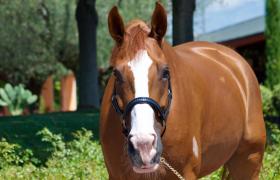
(80, 158)
(12, 154)
(276, 98)
(267, 105)
(272, 35)
(271, 162)
(36, 37)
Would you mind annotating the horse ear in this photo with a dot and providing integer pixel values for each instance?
(116, 25)
(158, 23)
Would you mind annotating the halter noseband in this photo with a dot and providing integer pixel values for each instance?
(161, 112)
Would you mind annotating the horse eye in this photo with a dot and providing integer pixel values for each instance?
(165, 74)
(118, 76)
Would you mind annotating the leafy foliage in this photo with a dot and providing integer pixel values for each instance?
(78, 159)
(16, 98)
(276, 98)
(267, 95)
(40, 38)
(271, 165)
(12, 154)
(36, 37)
(270, 100)
(272, 42)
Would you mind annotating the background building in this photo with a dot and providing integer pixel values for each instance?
(238, 24)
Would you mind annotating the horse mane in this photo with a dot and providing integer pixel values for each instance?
(136, 33)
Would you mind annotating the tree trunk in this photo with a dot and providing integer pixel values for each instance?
(272, 42)
(182, 20)
(88, 89)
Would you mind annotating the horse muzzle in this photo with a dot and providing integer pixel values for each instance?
(144, 152)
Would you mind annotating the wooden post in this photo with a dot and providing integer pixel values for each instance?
(68, 93)
(47, 93)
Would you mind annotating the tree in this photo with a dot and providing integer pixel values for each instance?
(182, 20)
(272, 42)
(87, 20)
(33, 39)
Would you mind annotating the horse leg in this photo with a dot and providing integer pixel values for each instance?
(189, 173)
(190, 176)
(246, 163)
(112, 178)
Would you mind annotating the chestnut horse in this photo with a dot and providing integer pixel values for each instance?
(198, 105)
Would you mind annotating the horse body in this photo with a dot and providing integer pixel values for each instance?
(215, 117)
(222, 106)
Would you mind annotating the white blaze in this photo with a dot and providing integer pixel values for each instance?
(142, 115)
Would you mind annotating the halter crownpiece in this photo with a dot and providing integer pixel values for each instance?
(161, 112)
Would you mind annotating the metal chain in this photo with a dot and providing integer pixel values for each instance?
(162, 160)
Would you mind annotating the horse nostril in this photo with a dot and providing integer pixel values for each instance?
(155, 140)
(132, 140)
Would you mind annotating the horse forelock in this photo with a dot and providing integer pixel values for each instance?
(136, 33)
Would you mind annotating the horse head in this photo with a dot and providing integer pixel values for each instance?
(142, 90)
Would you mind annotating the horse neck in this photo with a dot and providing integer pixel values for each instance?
(179, 68)
(183, 82)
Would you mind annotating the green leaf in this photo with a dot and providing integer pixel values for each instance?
(32, 99)
(3, 103)
(4, 96)
(21, 91)
(10, 91)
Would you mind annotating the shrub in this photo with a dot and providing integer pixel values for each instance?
(276, 98)
(36, 37)
(272, 34)
(13, 154)
(267, 105)
(271, 161)
(80, 158)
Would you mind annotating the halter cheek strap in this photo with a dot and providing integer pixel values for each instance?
(161, 112)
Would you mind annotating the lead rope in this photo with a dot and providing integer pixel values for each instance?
(162, 160)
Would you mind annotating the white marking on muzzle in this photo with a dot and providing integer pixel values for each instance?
(142, 115)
